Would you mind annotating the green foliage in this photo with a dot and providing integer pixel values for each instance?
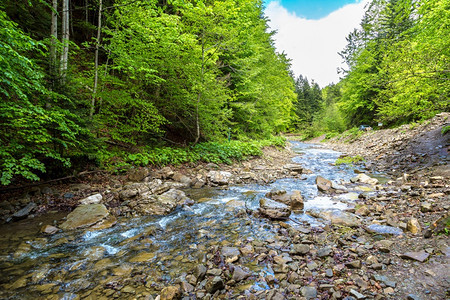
(32, 130)
(398, 63)
(209, 152)
(166, 71)
(445, 129)
(350, 160)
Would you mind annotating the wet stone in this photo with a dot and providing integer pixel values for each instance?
(170, 293)
(230, 251)
(214, 284)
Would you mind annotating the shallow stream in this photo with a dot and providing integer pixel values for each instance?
(152, 252)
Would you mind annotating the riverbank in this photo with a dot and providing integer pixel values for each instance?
(353, 239)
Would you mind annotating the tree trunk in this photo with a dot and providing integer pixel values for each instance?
(54, 38)
(65, 40)
(199, 95)
(97, 46)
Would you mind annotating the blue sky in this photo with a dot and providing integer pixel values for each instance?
(313, 9)
(312, 32)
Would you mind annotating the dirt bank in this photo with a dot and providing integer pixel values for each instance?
(418, 148)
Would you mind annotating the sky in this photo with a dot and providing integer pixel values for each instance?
(312, 32)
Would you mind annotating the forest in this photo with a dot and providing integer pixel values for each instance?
(117, 83)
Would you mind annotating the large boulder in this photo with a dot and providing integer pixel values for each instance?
(219, 177)
(85, 216)
(294, 199)
(324, 185)
(151, 204)
(363, 178)
(274, 210)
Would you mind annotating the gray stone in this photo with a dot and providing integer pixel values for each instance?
(24, 212)
(214, 284)
(309, 292)
(200, 272)
(230, 251)
(419, 256)
(239, 274)
(301, 249)
(273, 209)
(357, 294)
(219, 177)
(383, 229)
(324, 252)
(93, 199)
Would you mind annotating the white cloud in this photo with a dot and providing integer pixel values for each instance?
(313, 45)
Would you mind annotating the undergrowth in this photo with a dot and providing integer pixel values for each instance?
(210, 152)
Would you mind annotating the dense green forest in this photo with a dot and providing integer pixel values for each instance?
(110, 81)
(115, 83)
(398, 69)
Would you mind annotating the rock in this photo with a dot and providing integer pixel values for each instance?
(150, 204)
(338, 187)
(49, 229)
(363, 211)
(413, 226)
(356, 264)
(363, 178)
(419, 256)
(182, 179)
(300, 249)
(138, 175)
(294, 168)
(164, 173)
(296, 200)
(219, 177)
(384, 245)
(214, 284)
(93, 199)
(273, 209)
(200, 272)
(107, 222)
(383, 229)
(426, 207)
(170, 293)
(323, 185)
(293, 199)
(247, 250)
(84, 216)
(357, 294)
(143, 257)
(384, 280)
(309, 292)
(19, 283)
(239, 274)
(337, 217)
(412, 297)
(186, 287)
(24, 212)
(324, 252)
(129, 290)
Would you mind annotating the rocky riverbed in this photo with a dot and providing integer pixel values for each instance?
(289, 225)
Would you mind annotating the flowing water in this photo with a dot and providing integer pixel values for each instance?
(156, 250)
